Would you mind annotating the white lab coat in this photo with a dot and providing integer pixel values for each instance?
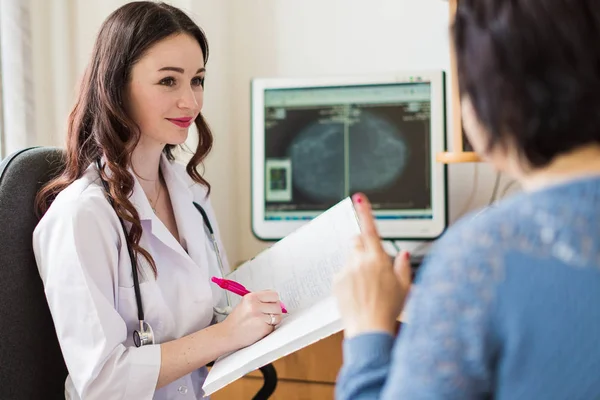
(83, 261)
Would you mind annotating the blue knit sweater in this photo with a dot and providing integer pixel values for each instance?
(506, 306)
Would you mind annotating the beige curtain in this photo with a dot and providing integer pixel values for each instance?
(18, 103)
(37, 71)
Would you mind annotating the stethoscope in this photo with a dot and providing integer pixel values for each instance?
(145, 335)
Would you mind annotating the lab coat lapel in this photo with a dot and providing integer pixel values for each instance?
(157, 228)
(189, 221)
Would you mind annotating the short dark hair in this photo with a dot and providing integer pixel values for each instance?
(531, 69)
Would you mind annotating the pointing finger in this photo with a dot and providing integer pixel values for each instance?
(369, 234)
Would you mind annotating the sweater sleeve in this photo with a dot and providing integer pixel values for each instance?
(446, 348)
(366, 366)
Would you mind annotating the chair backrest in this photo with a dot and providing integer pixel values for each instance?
(31, 363)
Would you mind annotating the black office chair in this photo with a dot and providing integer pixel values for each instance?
(31, 362)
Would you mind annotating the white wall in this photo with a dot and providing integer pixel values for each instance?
(250, 39)
(329, 37)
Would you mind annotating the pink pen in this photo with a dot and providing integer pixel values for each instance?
(237, 288)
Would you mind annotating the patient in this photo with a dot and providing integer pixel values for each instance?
(507, 305)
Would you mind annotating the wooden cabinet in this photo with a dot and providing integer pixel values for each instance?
(307, 374)
(246, 387)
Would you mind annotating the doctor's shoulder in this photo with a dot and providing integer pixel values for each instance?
(198, 190)
(79, 207)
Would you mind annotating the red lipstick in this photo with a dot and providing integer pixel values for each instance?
(182, 122)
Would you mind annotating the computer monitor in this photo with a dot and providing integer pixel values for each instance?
(316, 141)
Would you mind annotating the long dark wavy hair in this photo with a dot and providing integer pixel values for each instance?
(99, 125)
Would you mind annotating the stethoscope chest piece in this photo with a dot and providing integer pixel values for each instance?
(144, 335)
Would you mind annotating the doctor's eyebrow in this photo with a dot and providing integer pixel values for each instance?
(180, 70)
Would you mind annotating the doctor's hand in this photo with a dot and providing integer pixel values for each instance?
(254, 317)
(370, 291)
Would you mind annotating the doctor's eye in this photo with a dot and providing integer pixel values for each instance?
(168, 81)
(198, 81)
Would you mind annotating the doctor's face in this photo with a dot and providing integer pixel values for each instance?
(166, 89)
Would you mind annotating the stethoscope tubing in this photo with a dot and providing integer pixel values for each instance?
(134, 265)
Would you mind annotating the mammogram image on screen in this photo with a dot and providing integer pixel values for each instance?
(382, 150)
(328, 161)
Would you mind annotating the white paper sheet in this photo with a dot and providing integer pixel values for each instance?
(300, 268)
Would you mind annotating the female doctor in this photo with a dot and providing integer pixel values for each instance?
(123, 249)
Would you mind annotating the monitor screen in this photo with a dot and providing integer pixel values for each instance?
(317, 142)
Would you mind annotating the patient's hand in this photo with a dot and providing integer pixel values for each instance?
(370, 290)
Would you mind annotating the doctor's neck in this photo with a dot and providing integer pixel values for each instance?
(145, 159)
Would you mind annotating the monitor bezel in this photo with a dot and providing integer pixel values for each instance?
(271, 230)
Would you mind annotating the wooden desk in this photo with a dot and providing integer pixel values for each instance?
(308, 374)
